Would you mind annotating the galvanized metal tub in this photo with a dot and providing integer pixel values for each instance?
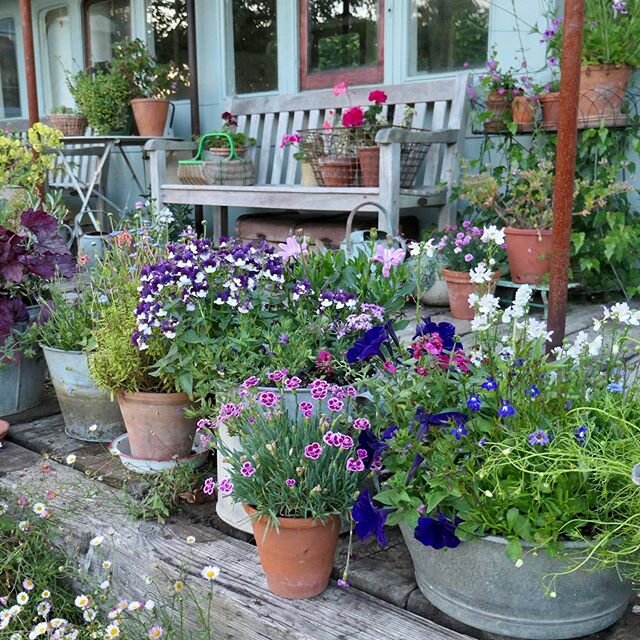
(21, 385)
(81, 402)
(477, 584)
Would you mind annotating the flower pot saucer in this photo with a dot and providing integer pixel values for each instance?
(120, 447)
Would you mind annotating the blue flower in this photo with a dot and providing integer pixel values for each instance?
(539, 437)
(369, 519)
(581, 433)
(482, 441)
(459, 431)
(437, 533)
(615, 387)
(533, 392)
(489, 384)
(567, 405)
(506, 409)
(474, 402)
(368, 345)
(283, 339)
(445, 330)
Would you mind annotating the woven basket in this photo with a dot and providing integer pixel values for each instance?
(69, 124)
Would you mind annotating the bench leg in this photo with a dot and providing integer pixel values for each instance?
(220, 222)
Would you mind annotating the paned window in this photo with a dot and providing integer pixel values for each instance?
(341, 40)
(106, 22)
(9, 82)
(255, 51)
(446, 34)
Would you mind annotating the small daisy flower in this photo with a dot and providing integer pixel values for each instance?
(149, 605)
(81, 601)
(22, 598)
(97, 541)
(27, 584)
(71, 458)
(46, 594)
(39, 508)
(104, 585)
(178, 586)
(156, 632)
(89, 615)
(106, 564)
(210, 573)
(93, 427)
(190, 539)
(112, 631)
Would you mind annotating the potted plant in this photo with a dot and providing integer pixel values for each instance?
(65, 337)
(472, 255)
(499, 88)
(495, 455)
(66, 120)
(220, 146)
(102, 96)
(296, 476)
(31, 255)
(152, 406)
(308, 149)
(150, 83)
(367, 150)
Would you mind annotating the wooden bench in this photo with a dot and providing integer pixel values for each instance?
(439, 120)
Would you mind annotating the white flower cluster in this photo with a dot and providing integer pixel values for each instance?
(426, 248)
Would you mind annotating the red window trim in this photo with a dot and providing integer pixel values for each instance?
(324, 79)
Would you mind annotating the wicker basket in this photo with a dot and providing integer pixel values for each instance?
(69, 124)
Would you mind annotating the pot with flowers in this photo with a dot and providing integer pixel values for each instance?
(472, 255)
(32, 253)
(499, 88)
(295, 475)
(503, 459)
(309, 147)
(150, 84)
(368, 151)
(220, 147)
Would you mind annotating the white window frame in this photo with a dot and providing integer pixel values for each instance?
(22, 84)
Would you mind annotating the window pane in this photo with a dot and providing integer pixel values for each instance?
(59, 55)
(342, 34)
(168, 21)
(450, 33)
(109, 22)
(9, 86)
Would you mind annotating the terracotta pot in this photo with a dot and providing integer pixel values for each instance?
(338, 171)
(307, 175)
(223, 152)
(528, 254)
(500, 108)
(150, 115)
(602, 90)
(156, 424)
(460, 288)
(369, 161)
(550, 105)
(4, 429)
(297, 558)
(523, 112)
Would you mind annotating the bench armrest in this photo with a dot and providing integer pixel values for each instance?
(398, 134)
(170, 145)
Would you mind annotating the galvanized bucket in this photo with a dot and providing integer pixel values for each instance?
(83, 405)
(477, 584)
(21, 385)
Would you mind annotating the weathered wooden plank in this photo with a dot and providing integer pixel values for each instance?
(242, 606)
(265, 150)
(292, 163)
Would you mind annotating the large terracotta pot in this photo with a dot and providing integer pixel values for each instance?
(602, 90)
(528, 254)
(500, 108)
(460, 288)
(338, 171)
(523, 112)
(369, 161)
(297, 557)
(157, 427)
(151, 115)
(550, 104)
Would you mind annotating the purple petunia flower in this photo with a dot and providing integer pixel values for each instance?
(437, 532)
(539, 437)
(506, 409)
(313, 451)
(367, 346)
(369, 519)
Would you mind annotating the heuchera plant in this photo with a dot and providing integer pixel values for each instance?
(30, 257)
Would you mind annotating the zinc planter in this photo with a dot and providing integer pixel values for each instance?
(81, 402)
(477, 584)
(21, 385)
(529, 254)
(297, 557)
(156, 424)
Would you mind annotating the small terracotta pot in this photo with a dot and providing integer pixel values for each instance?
(156, 424)
(500, 108)
(369, 161)
(523, 112)
(151, 115)
(602, 90)
(297, 558)
(4, 429)
(550, 104)
(338, 171)
(528, 253)
(460, 287)
(223, 152)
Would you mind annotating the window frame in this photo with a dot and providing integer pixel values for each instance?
(86, 27)
(19, 50)
(352, 76)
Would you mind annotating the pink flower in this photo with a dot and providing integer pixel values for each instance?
(353, 117)
(290, 482)
(340, 88)
(378, 96)
(335, 404)
(290, 138)
(278, 375)
(327, 125)
(347, 442)
(293, 383)
(352, 392)
(247, 469)
(362, 453)
(251, 381)
(313, 451)
(292, 248)
(361, 424)
(355, 465)
(225, 487)
(208, 486)
(389, 367)
(306, 407)
(388, 257)
(268, 399)
(468, 257)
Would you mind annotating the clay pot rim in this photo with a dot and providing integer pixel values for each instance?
(291, 523)
(140, 100)
(497, 271)
(527, 231)
(549, 96)
(155, 397)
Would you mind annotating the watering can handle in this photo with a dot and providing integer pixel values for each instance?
(216, 134)
(352, 215)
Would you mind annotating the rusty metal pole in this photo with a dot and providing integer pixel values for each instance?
(29, 60)
(565, 168)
